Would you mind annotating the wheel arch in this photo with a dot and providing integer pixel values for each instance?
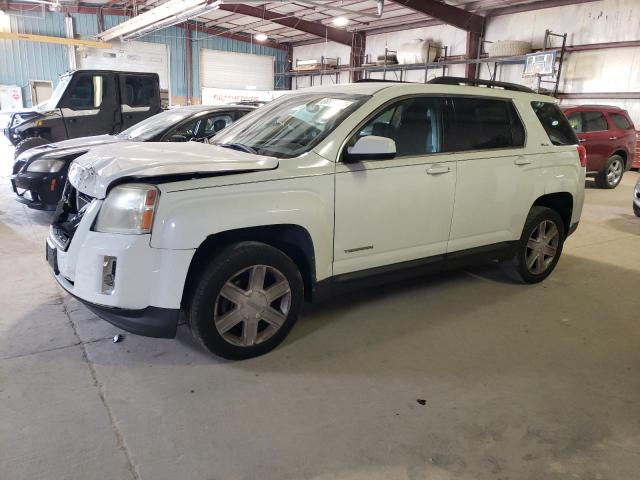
(294, 240)
(624, 154)
(561, 202)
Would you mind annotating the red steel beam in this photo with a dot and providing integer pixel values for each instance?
(457, 17)
(314, 28)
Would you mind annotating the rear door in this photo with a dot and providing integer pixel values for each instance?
(139, 97)
(624, 133)
(89, 105)
(495, 175)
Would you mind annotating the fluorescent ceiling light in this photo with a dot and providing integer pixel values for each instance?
(340, 21)
(260, 37)
(169, 13)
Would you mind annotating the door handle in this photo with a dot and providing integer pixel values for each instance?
(522, 161)
(582, 140)
(613, 138)
(438, 170)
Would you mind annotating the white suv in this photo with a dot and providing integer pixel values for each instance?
(318, 189)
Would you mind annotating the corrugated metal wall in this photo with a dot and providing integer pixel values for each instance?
(23, 61)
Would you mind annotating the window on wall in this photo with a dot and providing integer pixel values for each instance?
(620, 121)
(478, 123)
(87, 92)
(413, 123)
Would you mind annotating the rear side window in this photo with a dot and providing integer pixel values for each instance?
(555, 123)
(140, 90)
(481, 123)
(593, 122)
(620, 121)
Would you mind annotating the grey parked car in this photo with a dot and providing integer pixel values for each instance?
(636, 198)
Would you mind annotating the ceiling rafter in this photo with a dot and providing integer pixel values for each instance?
(455, 16)
(306, 26)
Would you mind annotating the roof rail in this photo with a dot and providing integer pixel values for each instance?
(478, 82)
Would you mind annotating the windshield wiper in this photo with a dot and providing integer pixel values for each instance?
(238, 146)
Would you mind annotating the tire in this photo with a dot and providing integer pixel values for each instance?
(537, 217)
(247, 327)
(28, 143)
(636, 210)
(508, 48)
(612, 172)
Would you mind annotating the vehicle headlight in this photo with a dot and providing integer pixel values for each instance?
(46, 165)
(128, 209)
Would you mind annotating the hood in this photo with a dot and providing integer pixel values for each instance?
(68, 147)
(93, 172)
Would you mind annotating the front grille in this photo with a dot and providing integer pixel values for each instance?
(69, 213)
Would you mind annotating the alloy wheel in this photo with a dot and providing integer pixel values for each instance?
(252, 305)
(542, 247)
(614, 172)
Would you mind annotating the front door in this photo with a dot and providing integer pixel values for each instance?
(89, 105)
(399, 210)
(593, 131)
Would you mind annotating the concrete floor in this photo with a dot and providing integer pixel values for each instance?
(466, 376)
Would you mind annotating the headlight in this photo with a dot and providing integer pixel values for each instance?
(128, 209)
(46, 165)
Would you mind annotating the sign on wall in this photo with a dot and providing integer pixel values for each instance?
(223, 96)
(10, 97)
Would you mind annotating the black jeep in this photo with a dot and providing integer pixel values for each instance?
(86, 102)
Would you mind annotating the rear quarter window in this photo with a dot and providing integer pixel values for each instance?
(554, 123)
(620, 121)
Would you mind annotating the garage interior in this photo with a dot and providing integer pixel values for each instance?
(465, 375)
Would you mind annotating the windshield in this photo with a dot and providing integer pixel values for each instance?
(153, 126)
(292, 125)
(56, 95)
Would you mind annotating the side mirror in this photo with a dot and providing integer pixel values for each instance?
(371, 147)
(178, 138)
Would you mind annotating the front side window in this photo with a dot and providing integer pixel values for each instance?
(153, 126)
(86, 93)
(620, 121)
(593, 122)
(575, 120)
(413, 124)
(554, 123)
(480, 124)
(291, 125)
(216, 123)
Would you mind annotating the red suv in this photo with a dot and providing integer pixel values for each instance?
(609, 136)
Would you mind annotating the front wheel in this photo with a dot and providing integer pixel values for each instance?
(246, 301)
(540, 245)
(611, 173)
(636, 210)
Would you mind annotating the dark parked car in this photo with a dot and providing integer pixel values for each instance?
(85, 102)
(39, 174)
(609, 137)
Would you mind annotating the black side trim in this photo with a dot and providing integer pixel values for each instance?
(149, 322)
(479, 255)
(414, 268)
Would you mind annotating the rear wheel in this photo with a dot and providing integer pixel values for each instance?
(611, 173)
(540, 245)
(28, 143)
(246, 301)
